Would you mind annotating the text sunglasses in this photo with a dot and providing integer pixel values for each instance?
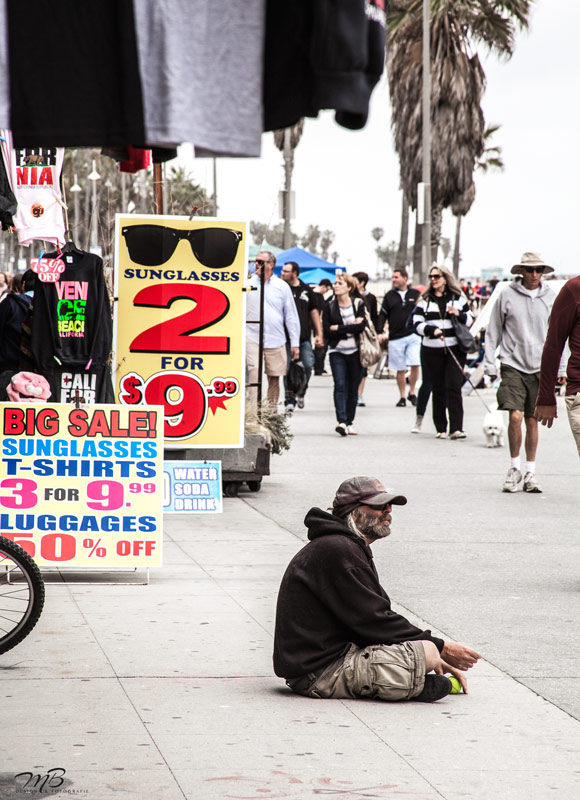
(529, 270)
(153, 245)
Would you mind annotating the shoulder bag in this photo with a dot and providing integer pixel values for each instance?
(369, 346)
(465, 340)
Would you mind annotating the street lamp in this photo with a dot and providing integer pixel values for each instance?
(94, 177)
(75, 189)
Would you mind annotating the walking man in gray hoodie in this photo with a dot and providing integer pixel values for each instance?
(518, 326)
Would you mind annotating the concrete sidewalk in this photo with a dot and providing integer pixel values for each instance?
(166, 691)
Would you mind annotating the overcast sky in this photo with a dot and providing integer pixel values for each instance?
(349, 181)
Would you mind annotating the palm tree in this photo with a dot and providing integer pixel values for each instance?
(489, 159)
(287, 140)
(457, 85)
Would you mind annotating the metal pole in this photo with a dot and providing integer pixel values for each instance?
(426, 238)
(261, 344)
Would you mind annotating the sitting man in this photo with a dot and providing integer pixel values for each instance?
(336, 634)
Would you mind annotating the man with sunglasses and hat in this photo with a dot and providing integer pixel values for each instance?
(336, 634)
(518, 326)
(280, 320)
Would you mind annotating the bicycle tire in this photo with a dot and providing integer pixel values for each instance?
(21, 594)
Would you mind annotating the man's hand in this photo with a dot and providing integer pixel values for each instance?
(459, 655)
(319, 341)
(546, 414)
(295, 353)
(443, 668)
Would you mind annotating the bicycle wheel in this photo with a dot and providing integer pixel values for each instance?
(21, 594)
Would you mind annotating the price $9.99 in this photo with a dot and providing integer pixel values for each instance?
(184, 397)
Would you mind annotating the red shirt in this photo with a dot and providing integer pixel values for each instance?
(564, 325)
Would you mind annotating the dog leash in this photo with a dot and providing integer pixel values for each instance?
(449, 350)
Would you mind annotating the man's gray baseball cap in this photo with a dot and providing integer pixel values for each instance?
(363, 490)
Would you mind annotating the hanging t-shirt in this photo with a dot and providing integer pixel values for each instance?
(74, 75)
(201, 64)
(4, 70)
(322, 54)
(34, 175)
(72, 329)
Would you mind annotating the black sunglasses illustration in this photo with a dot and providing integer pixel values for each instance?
(153, 245)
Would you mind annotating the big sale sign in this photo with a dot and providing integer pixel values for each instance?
(179, 325)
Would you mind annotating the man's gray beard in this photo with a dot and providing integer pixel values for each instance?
(363, 525)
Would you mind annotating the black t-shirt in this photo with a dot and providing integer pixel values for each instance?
(74, 74)
(305, 300)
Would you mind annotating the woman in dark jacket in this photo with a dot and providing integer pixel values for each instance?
(343, 321)
(432, 320)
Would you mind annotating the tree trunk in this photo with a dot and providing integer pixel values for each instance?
(456, 255)
(436, 221)
(417, 251)
(401, 259)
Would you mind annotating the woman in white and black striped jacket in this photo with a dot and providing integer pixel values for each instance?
(432, 320)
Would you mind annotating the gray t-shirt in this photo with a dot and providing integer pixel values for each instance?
(201, 65)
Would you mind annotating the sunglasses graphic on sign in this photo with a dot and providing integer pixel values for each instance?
(153, 245)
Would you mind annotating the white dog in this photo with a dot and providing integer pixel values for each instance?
(494, 428)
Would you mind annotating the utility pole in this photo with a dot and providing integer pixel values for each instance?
(426, 228)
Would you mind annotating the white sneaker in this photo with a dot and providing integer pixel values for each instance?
(341, 429)
(417, 426)
(352, 431)
(513, 477)
(458, 435)
(441, 435)
(531, 484)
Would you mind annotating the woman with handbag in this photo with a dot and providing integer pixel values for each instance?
(440, 309)
(344, 320)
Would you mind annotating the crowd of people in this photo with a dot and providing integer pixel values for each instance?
(336, 634)
(423, 333)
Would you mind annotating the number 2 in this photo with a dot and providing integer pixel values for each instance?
(173, 335)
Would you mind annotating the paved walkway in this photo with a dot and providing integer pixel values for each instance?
(166, 691)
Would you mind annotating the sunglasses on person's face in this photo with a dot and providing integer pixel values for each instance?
(260, 262)
(381, 509)
(153, 245)
(435, 276)
(529, 270)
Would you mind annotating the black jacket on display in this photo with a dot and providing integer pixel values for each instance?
(13, 310)
(322, 54)
(330, 597)
(72, 324)
(396, 312)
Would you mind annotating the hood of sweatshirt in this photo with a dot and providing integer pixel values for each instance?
(543, 289)
(321, 523)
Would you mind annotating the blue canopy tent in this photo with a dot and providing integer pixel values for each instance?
(314, 276)
(306, 261)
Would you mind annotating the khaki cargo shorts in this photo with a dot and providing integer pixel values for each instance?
(573, 409)
(376, 672)
(517, 390)
(274, 359)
